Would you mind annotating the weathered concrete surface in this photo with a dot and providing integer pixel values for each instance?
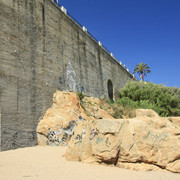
(38, 41)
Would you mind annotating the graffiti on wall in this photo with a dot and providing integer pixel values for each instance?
(71, 77)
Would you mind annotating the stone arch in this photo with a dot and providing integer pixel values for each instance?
(110, 89)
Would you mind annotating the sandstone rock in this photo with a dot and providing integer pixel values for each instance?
(174, 166)
(77, 150)
(94, 110)
(99, 143)
(147, 142)
(138, 166)
(61, 119)
(175, 120)
(141, 143)
(150, 142)
(146, 112)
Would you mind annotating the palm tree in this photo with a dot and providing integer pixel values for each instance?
(142, 69)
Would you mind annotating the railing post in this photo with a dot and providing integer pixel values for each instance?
(84, 29)
(99, 42)
(63, 9)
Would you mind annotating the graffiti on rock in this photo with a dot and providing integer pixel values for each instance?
(79, 117)
(61, 136)
(157, 138)
(107, 142)
(93, 133)
(79, 137)
(70, 128)
(98, 140)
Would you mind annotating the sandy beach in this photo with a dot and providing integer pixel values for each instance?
(48, 163)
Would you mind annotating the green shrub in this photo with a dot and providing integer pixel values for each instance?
(126, 101)
(81, 95)
(118, 111)
(164, 100)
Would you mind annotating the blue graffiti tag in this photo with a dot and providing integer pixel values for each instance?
(155, 138)
(98, 140)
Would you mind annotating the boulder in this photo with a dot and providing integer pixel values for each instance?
(77, 150)
(146, 142)
(142, 143)
(98, 144)
(153, 141)
(146, 112)
(60, 121)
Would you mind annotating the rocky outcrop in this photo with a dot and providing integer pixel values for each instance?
(93, 108)
(146, 112)
(142, 143)
(146, 142)
(60, 121)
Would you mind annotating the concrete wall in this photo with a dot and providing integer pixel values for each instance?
(41, 51)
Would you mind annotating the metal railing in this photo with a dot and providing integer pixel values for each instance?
(73, 19)
(91, 36)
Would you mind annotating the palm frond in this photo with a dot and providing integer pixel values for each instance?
(142, 69)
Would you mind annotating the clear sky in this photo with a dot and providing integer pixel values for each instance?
(136, 31)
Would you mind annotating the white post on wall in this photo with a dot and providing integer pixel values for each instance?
(84, 29)
(111, 54)
(63, 9)
(99, 42)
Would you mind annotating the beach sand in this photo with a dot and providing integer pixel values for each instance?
(48, 163)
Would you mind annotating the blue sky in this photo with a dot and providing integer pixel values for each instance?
(136, 31)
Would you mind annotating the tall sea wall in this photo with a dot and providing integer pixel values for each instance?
(43, 50)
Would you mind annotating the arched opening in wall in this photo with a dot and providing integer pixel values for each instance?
(110, 89)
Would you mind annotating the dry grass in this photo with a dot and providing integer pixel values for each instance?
(117, 111)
